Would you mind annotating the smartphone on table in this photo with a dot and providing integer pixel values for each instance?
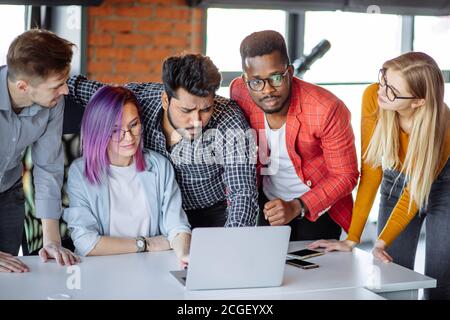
(301, 264)
(304, 254)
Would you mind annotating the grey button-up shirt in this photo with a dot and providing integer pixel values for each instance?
(42, 128)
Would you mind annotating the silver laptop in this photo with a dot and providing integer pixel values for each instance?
(245, 257)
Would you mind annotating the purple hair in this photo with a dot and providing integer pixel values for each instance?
(102, 113)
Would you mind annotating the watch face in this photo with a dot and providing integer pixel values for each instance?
(140, 244)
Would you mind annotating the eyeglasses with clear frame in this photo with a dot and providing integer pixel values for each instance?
(390, 93)
(275, 80)
(135, 129)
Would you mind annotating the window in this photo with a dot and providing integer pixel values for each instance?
(13, 20)
(432, 35)
(360, 43)
(226, 28)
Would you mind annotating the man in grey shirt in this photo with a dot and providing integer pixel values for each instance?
(32, 89)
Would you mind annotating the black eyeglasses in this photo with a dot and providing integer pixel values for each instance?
(390, 94)
(275, 80)
(134, 129)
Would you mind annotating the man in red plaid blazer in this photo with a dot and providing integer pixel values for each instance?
(307, 158)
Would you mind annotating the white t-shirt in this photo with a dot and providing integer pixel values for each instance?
(281, 181)
(129, 210)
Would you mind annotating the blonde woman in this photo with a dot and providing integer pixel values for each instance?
(405, 137)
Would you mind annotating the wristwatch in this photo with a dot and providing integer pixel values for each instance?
(141, 244)
(302, 210)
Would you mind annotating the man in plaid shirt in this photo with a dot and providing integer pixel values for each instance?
(305, 141)
(205, 136)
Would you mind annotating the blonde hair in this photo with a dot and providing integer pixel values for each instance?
(426, 140)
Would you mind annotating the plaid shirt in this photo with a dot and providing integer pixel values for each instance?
(320, 144)
(205, 173)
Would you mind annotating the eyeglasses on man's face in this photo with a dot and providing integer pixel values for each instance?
(134, 129)
(390, 93)
(275, 80)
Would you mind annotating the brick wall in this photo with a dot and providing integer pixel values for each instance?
(129, 40)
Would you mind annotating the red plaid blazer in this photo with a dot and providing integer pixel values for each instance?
(320, 143)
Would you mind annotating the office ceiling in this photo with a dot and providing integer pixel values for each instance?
(401, 7)
(53, 2)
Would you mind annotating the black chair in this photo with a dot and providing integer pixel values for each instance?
(32, 240)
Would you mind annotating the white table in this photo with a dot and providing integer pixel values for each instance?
(332, 294)
(341, 275)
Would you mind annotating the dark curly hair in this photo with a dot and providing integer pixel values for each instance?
(261, 43)
(195, 73)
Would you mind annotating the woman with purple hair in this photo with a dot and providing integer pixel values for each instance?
(122, 198)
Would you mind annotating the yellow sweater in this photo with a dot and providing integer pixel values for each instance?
(371, 178)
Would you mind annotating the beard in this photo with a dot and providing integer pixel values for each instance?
(276, 109)
(182, 131)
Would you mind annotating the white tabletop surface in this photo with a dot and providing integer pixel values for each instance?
(146, 276)
(334, 294)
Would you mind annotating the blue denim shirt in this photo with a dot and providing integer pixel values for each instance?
(88, 215)
(41, 128)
